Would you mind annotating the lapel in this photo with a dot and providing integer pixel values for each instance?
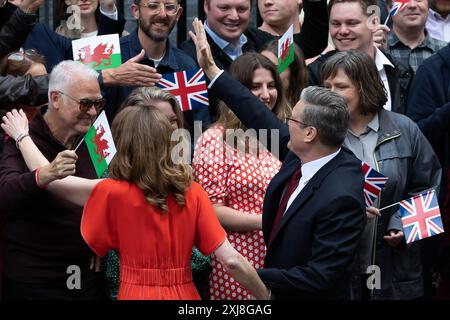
(308, 191)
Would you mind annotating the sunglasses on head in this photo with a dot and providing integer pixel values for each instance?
(86, 104)
(20, 55)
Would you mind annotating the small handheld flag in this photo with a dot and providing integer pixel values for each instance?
(421, 217)
(188, 86)
(101, 52)
(286, 49)
(396, 7)
(100, 144)
(373, 183)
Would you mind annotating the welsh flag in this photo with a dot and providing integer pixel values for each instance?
(286, 49)
(100, 144)
(101, 52)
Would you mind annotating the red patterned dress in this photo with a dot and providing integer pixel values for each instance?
(237, 180)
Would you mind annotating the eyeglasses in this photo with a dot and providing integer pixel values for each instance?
(155, 7)
(20, 55)
(295, 120)
(86, 104)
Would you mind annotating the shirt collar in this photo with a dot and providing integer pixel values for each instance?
(309, 169)
(381, 60)
(220, 41)
(374, 124)
(169, 58)
(436, 16)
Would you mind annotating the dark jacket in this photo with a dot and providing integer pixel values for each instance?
(41, 232)
(429, 106)
(399, 79)
(25, 90)
(57, 48)
(15, 29)
(311, 254)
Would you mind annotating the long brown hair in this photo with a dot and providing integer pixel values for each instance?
(242, 69)
(143, 140)
(298, 71)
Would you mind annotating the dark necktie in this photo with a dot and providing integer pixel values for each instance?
(293, 184)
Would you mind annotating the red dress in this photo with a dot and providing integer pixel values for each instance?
(238, 181)
(154, 248)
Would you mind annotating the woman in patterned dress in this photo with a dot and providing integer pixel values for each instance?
(235, 170)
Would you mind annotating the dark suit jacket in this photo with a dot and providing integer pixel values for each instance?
(314, 247)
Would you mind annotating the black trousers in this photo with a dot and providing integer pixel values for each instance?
(92, 288)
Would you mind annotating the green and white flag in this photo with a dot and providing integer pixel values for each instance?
(100, 52)
(100, 144)
(286, 49)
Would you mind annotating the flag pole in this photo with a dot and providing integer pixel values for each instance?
(391, 205)
(79, 144)
(387, 19)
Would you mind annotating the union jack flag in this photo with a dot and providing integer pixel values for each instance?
(397, 6)
(421, 217)
(373, 183)
(188, 86)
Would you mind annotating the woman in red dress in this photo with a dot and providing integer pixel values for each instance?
(150, 210)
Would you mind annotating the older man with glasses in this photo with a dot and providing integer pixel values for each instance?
(45, 256)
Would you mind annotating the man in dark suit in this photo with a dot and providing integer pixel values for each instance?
(314, 211)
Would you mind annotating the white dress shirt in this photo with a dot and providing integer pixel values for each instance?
(381, 61)
(309, 169)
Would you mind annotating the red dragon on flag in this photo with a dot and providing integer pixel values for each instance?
(101, 144)
(101, 52)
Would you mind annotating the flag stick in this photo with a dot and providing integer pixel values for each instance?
(387, 19)
(79, 144)
(391, 205)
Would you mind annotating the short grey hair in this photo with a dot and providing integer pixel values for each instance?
(63, 74)
(327, 112)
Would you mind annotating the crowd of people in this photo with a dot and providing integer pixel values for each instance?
(268, 202)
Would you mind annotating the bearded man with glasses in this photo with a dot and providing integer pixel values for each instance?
(45, 256)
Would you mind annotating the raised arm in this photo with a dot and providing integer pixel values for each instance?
(48, 174)
(255, 115)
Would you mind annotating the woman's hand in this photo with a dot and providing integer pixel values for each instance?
(62, 166)
(394, 237)
(15, 124)
(372, 212)
(204, 56)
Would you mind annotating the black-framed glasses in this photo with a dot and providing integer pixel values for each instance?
(20, 55)
(86, 104)
(295, 120)
(155, 7)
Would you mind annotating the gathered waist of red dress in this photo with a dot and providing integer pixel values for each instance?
(155, 277)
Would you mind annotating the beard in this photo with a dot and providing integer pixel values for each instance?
(442, 8)
(156, 36)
